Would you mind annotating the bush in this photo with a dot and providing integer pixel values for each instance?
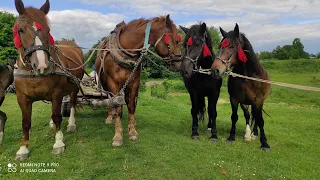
(143, 79)
(159, 91)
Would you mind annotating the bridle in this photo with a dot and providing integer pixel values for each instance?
(32, 48)
(169, 59)
(195, 61)
(227, 62)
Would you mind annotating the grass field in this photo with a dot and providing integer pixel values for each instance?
(165, 149)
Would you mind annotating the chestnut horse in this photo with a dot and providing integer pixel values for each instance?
(38, 76)
(164, 37)
(6, 78)
(199, 54)
(236, 54)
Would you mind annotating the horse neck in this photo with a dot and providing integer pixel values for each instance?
(205, 62)
(250, 68)
(134, 38)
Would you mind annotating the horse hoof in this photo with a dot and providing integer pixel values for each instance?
(117, 143)
(209, 130)
(253, 137)
(133, 138)
(71, 128)
(265, 147)
(196, 137)
(247, 138)
(109, 121)
(231, 140)
(214, 140)
(58, 150)
(21, 157)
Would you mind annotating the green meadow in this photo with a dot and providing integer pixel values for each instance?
(165, 149)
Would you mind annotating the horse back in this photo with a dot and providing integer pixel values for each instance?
(70, 57)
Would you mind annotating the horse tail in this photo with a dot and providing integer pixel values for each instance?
(202, 108)
(265, 112)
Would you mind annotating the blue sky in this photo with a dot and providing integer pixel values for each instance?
(266, 23)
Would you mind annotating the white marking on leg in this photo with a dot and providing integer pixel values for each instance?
(72, 120)
(40, 54)
(1, 137)
(59, 140)
(51, 124)
(23, 150)
(247, 136)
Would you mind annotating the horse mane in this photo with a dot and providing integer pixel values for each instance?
(32, 14)
(194, 29)
(140, 22)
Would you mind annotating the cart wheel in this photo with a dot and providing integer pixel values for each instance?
(65, 109)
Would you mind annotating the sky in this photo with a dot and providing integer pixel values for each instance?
(266, 23)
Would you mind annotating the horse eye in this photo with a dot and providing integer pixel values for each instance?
(20, 30)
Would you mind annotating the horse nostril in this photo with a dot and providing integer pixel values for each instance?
(216, 72)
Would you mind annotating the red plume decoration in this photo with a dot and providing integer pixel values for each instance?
(179, 38)
(189, 42)
(166, 38)
(206, 51)
(241, 55)
(51, 39)
(225, 43)
(38, 26)
(17, 40)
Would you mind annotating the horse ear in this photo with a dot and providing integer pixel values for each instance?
(19, 6)
(203, 28)
(184, 29)
(223, 33)
(168, 23)
(46, 7)
(236, 30)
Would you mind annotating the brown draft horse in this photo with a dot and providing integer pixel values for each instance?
(236, 53)
(6, 78)
(37, 78)
(113, 77)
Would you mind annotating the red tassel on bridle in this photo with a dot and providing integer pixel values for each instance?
(206, 51)
(17, 40)
(166, 38)
(179, 38)
(241, 55)
(38, 26)
(225, 43)
(189, 42)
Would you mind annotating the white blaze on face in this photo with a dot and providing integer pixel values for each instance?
(40, 53)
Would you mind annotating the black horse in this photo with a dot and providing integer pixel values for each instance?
(198, 57)
(236, 53)
(6, 78)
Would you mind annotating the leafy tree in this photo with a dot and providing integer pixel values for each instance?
(265, 55)
(216, 38)
(7, 48)
(318, 55)
(280, 53)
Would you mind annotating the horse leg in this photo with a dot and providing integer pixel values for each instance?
(58, 146)
(212, 112)
(109, 119)
(234, 118)
(72, 121)
(254, 134)
(26, 109)
(118, 137)
(194, 113)
(3, 119)
(260, 122)
(131, 101)
(247, 136)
